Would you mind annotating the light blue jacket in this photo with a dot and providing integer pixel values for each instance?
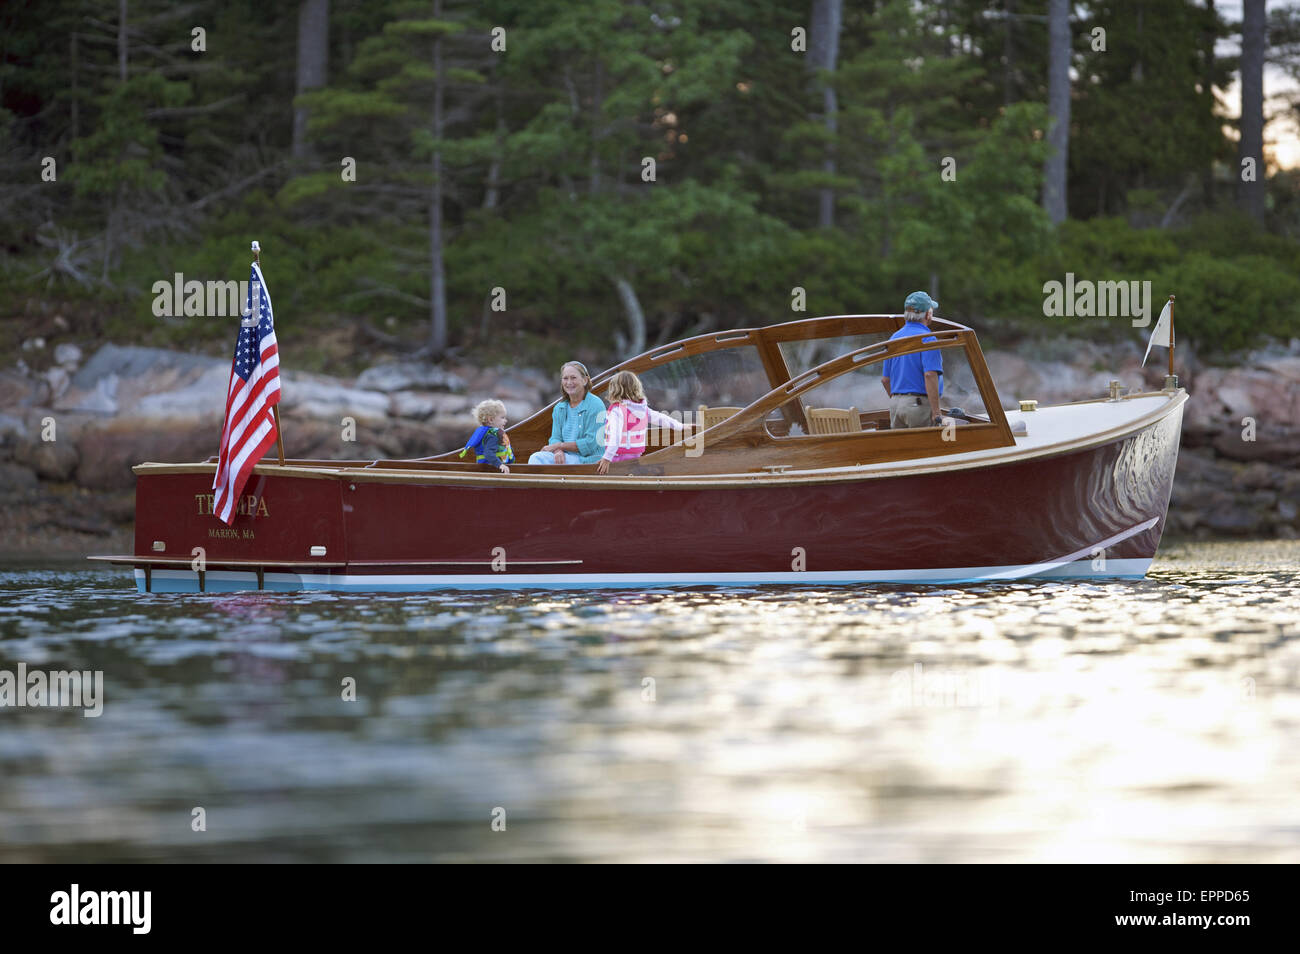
(591, 426)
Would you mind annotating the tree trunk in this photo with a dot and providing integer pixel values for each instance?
(492, 194)
(1058, 109)
(1008, 57)
(121, 40)
(1251, 194)
(75, 99)
(635, 316)
(437, 278)
(597, 101)
(1207, 84)
(823, 52)
(1137, 66)
(114, 213)
(313, 59)
(110, 236)
(1168, 218)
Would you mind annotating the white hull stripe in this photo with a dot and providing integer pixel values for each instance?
(1087, 563)
(1038, 569)
(216, 581)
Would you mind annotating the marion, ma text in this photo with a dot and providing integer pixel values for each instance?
(102, 907)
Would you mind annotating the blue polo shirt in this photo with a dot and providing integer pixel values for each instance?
(906, 372)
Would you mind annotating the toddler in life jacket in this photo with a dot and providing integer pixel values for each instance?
(490, 442)
(627, 419)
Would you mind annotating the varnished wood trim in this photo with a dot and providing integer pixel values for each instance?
(325, 471)
(817, 376)
(831, 475)
(535, 430)
(590, 480)
(778, 372)
(988, 390)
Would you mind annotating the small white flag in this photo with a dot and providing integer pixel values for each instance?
(1163, 333)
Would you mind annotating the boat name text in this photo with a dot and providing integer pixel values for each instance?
(249, 504)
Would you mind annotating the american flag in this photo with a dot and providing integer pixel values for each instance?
(249, 430)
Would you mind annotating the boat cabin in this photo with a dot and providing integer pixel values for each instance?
(802, 394)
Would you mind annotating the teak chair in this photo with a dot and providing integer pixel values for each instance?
(715, 415)
(833, 420)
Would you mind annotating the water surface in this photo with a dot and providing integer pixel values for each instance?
(1151, 721)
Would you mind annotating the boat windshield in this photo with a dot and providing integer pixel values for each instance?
(862, 391)
(730, 377)
(800, 356)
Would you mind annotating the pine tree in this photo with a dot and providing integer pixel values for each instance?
(405, 121)
(1143, 117)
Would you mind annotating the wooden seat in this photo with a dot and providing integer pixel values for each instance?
(715, 415)
(833, 420)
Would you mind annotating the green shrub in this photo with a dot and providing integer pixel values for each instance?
(1233, 234)
(1225, 304)
(1099, 249)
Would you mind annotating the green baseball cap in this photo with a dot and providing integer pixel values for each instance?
(919, 301)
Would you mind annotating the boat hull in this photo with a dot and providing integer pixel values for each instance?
(1096, 512)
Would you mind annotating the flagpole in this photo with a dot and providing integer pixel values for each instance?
(1171, 334)
(275, 408)
(1171, 381)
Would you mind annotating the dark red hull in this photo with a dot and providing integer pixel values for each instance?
(1097, 511)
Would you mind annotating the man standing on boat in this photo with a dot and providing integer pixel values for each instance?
(914, 381)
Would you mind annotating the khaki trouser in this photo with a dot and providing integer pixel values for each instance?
(909, 410)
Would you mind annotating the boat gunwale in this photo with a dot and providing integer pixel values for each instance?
(995, 457)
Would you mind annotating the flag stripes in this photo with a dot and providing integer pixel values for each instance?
(249, 427)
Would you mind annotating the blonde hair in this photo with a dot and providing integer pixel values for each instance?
(625, 386)
(484, 411)
(582, 370)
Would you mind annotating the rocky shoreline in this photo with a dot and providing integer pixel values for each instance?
(72, 424)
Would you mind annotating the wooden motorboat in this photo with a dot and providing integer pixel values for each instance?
(787, 472)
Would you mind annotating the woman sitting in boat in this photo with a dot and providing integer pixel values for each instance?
(627, 420)
(577, 423)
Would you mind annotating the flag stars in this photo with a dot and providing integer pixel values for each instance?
(253, 406)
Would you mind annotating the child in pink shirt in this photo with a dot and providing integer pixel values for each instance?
(627, 419)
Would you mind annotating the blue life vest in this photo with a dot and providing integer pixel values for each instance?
(505, 454)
